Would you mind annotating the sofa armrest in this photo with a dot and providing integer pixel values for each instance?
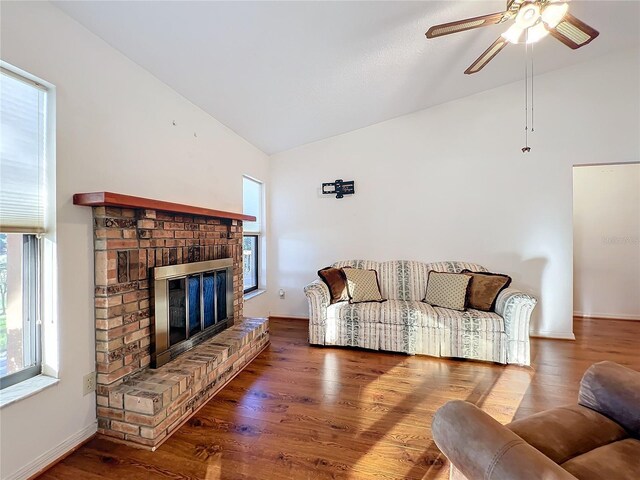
(613, 391)
(515, 307)
(319, 300)
(481, 448)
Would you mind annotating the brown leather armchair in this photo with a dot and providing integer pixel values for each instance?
(599, 438)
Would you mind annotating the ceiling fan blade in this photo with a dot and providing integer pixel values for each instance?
(573, 33)
(513, 5)
(467, 24)
(487, 56)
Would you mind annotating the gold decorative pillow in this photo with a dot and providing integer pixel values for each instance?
(335, 280)
(484, 289)
(447, 290)
(362, 285)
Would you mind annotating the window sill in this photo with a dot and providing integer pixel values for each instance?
(255, 293)
(25, 389)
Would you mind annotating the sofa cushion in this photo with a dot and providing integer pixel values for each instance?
(469, 320)
(615, 461)
(407, 279)
(364, 264)
(454, 267)
(401, 312)
(336, 282)
(403, 280)
(362, 285)
(420, 314)
(351, 325)
(366, 312)
(391, 312)
(448, 290)
(484, 289)
(566, 432)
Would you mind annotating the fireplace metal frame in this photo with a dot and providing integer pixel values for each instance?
(162, 350)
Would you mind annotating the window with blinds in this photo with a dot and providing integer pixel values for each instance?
(22, 154)
(252, 195)
(23, 144)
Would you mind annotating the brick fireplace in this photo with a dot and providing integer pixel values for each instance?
(136, 403)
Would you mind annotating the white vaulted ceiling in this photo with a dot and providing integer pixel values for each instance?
(282, 74)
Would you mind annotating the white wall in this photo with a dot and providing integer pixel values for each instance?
(450, 183)
(606, 240)
(114, 133)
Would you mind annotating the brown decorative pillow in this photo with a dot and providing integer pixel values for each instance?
(484, 289)
(362, 285)
(336, 281)
(447, 290)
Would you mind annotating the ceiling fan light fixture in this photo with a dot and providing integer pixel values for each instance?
(513, 34)
(553, 13)
(537, 33)
(528, 15)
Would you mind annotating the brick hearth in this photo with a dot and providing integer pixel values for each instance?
(150, 405)
(135, 403)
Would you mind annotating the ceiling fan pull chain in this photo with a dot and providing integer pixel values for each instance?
(532, 127)
(526, 96)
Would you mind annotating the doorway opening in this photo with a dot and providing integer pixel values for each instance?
(606, 241)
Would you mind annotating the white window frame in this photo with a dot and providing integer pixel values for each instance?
(259, 235)
(38, 278)
(31, 311)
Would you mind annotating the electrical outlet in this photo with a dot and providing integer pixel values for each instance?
(89, 383)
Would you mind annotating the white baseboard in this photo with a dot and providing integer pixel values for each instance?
(607, 316)
(556, 335)
(293, 317)
(48, 458)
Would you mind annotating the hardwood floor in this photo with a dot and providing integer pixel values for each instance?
(301, 412)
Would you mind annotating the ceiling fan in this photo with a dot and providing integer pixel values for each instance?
(533, 20)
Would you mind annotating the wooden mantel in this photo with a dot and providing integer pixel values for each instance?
(110, 199)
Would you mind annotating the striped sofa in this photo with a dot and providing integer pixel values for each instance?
(405, 324)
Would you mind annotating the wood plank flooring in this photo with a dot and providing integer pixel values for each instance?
(301, 412)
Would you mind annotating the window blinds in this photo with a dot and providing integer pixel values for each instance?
(252, 204)
(22, 154)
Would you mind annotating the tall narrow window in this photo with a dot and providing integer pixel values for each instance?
(23, 118)
(252, 231)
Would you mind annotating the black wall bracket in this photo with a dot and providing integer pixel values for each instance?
(339, 188)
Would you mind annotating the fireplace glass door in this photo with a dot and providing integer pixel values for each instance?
(196, 302)
(221, 288)
(193, 302)
(177, 311)
(208, 286)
